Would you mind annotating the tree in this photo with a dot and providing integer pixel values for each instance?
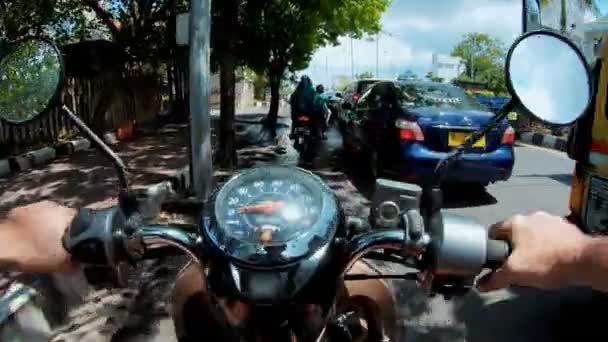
(341, 82)
(284, 34)
(484, 59)
(61, 20)
(224, 33)
(365, 75)
(429, 75)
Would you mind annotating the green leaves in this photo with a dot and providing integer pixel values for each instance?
(484, 59)
(365, 75)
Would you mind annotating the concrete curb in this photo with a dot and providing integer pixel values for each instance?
(544, 140)
(41, 156)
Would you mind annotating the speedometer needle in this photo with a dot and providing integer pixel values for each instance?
(266, 208)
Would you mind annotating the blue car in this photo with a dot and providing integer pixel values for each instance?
(407, 128)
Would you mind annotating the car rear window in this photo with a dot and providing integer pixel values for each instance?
(365, 85)
(437, 95)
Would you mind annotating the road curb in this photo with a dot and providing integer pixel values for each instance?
(41, 156)
(544, 140)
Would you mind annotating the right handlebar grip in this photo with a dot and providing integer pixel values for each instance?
(497, 252)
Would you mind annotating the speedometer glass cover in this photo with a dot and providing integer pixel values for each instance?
(272, 216)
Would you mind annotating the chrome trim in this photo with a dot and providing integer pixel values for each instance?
(392, 239)
(457, 128)
(161, 236)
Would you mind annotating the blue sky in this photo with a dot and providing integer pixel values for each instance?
(603, 5)
(413, 30)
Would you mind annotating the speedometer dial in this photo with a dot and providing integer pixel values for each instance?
(273, 215)
(271, 211)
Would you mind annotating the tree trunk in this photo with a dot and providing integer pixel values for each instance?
(274, 79)
(227, 138)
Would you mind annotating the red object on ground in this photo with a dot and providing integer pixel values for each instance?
(126, 131)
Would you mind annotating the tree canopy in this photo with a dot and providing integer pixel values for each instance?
(484, 60)
(283, 35)
(144, 28)
(364, 75)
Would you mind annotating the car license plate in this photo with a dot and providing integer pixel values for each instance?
(458, 138)
(596, 211)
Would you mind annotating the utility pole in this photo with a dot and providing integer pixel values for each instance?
(378, 55)
(201, 168)
(352, 60)
(327, 69)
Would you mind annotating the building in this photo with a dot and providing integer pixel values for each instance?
(446, 67)
(589, 37)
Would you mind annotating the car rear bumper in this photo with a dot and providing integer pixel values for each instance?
(419, 163)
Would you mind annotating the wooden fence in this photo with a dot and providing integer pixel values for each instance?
(103, 103)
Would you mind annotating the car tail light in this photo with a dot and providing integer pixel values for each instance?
(409, 130)
(303, 118)
(508, 137)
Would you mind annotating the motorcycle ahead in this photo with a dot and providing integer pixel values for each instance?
(306, 136)
(273, 256)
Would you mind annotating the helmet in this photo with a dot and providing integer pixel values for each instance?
(320, 89)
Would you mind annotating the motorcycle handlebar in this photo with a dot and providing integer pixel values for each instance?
(462, 248)
(497, 252)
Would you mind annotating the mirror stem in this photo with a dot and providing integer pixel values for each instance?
(120, 166)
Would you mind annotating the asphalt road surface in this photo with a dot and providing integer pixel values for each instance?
(540, 181)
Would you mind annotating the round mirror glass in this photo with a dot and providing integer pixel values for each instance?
(30, 77)
(549, 77)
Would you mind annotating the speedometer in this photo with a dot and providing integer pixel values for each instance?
(273, 215)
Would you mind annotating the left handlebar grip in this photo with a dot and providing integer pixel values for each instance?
(91, 237)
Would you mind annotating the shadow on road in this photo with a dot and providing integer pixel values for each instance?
(466, 196)
(565, 315)
(88, 176)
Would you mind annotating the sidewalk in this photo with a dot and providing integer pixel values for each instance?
(545, 140)
(87, 178)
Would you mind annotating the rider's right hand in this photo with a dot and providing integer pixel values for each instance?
(547, 253)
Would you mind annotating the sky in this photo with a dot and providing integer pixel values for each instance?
(413, 30)
(603, 5)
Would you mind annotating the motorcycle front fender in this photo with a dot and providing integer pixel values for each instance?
(192, 308)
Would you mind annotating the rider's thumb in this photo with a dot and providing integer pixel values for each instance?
(493, 281)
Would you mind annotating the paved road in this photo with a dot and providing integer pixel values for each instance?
(540, 181)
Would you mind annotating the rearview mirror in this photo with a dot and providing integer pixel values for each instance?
(547, 74)
(31, 76)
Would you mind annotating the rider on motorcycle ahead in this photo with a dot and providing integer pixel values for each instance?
(305, 101)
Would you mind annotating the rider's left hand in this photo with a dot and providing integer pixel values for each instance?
(32, 238)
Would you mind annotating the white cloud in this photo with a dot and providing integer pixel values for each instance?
(413, 31)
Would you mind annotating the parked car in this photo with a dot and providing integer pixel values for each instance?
(355, 90)
(407, 128)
